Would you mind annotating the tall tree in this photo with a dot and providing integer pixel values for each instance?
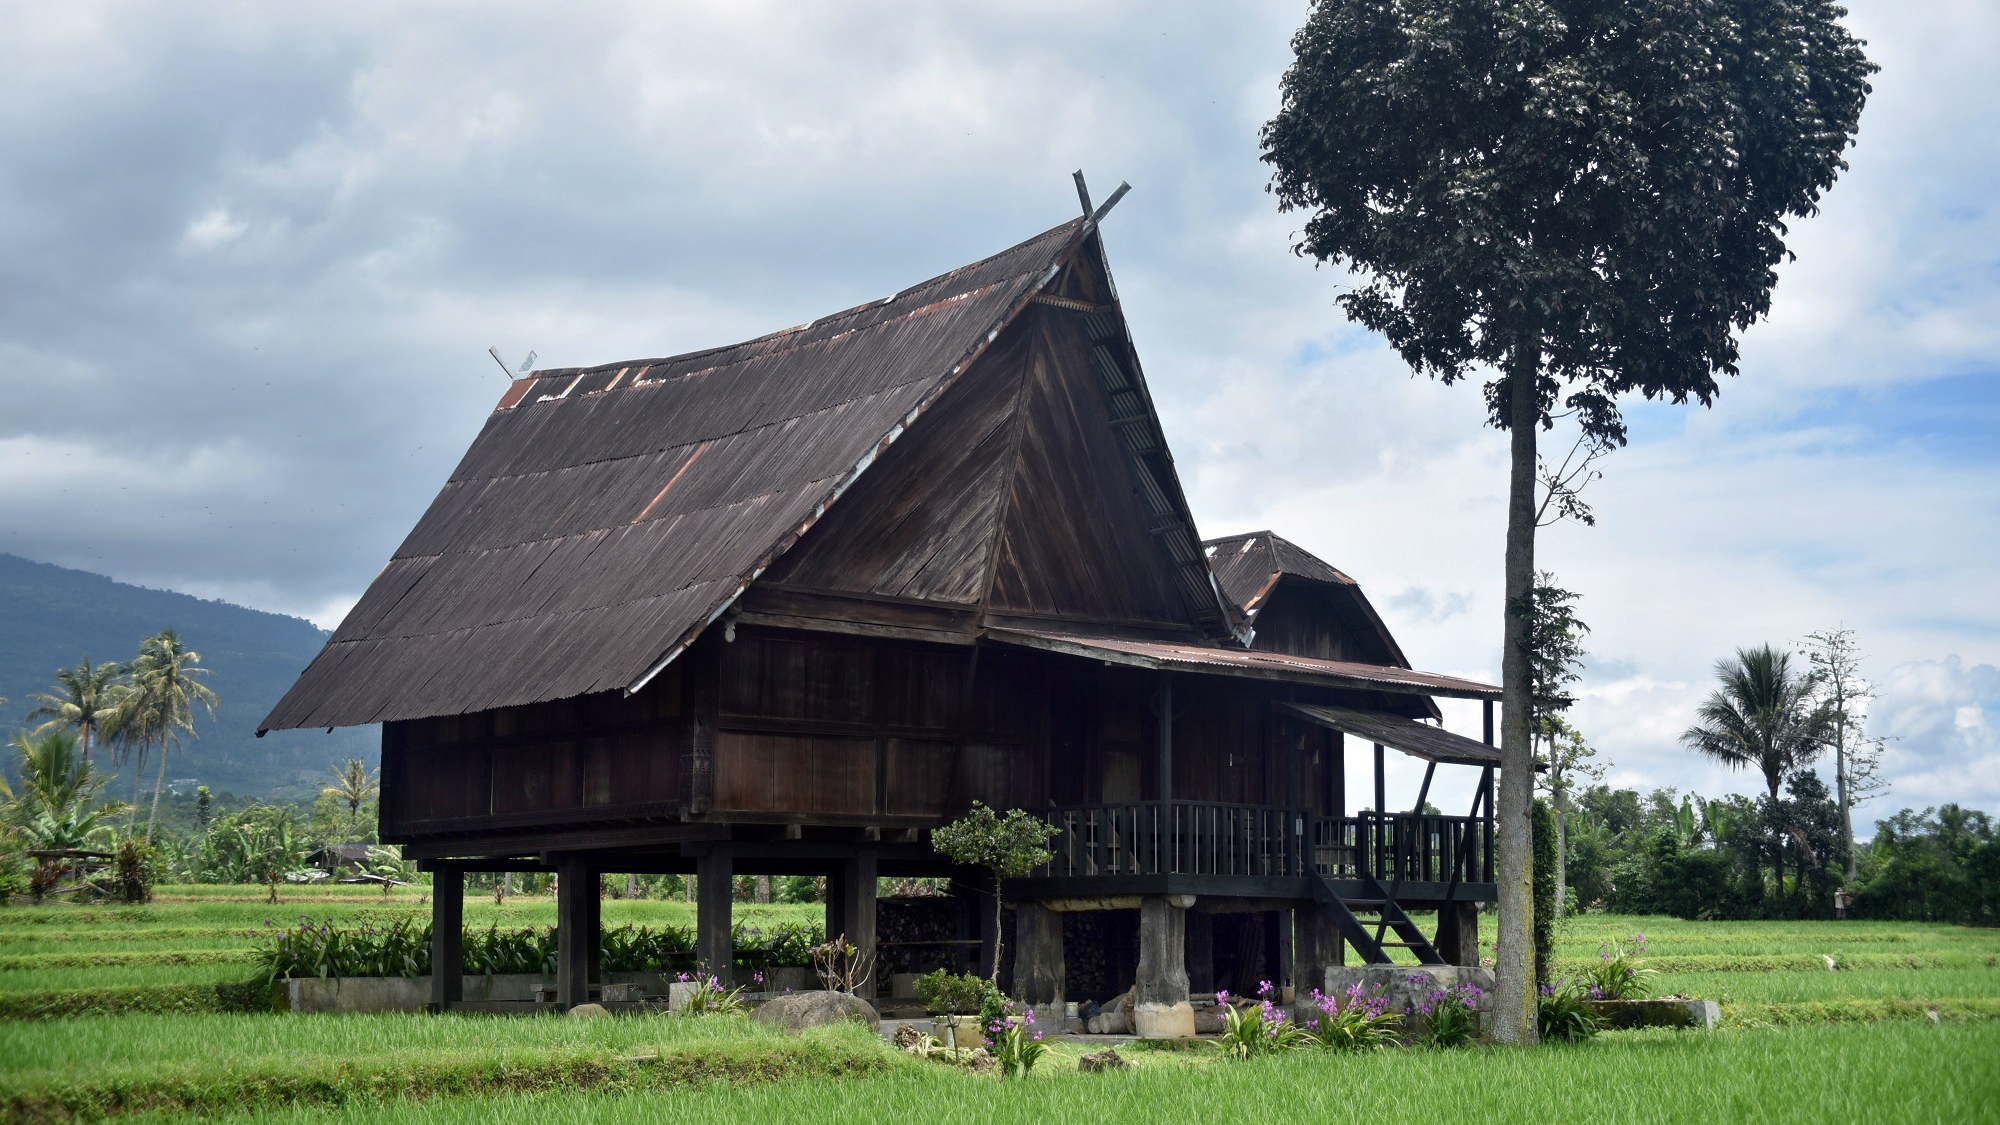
(82, 699)
(1568, 759)
(1836, 656)
(1764, 715)
(1581, 196)
(158, 706)
(353, 785)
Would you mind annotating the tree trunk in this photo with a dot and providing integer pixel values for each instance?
(998, 908)
(1777, 853)
(159, 783)
(762, 893)
(1562, 847)
(1845, 795)
(1514, 999)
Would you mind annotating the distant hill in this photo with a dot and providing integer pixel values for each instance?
(51, 615)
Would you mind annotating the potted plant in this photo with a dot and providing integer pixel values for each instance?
(953, 1001)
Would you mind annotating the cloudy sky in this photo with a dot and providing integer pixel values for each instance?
(253, 254)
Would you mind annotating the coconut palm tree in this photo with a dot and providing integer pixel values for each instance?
(158, 706)
(1764, 716)
(54, 806)
(82, 699)
(354, 784)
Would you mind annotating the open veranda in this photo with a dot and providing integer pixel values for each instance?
(1907, 1027)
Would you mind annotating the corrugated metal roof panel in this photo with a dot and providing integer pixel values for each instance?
(1413, 738)
(1256, 664)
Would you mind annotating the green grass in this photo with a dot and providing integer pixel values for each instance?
(1915, 1073)
(1804, 1043)
(202, 934)
(373, 1058)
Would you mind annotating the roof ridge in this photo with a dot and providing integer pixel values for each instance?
(851, 310)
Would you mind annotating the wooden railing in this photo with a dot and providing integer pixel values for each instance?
(1212, 838)
(1180, 838)
(1401, 848)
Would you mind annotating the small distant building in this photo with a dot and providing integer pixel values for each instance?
(333, 857)
(784, 607)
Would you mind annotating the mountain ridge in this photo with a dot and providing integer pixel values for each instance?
(51, 615)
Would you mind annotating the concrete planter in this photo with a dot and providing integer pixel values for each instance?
(413, 994)
(790, 979)
(1658, 1013)
(958, 1031)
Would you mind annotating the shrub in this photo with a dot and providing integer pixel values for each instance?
(1015, 1045)
(1564, 1014)
(947, 993)
(707, 997)
(1542, 825)
(1263, 1030)
(1619, 974)
(1353, 1021)
(1450, 1015)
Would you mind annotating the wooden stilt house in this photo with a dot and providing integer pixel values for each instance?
(785, 606)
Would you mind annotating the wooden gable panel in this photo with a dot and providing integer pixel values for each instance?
(920, 524)
(1075, 541)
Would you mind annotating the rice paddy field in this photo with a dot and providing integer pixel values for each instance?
(1905, 1028)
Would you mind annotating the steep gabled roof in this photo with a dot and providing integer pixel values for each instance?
(1250, 567)
(605, 515)
(1246, 565)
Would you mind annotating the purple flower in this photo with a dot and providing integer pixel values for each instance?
(1222, 996)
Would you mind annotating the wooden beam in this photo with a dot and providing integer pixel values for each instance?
(715, 894)
(576, 936)
(447, 936)
(1166, 697)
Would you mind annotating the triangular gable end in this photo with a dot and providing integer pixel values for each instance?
(1039, 487)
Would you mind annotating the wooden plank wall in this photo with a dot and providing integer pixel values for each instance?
(833, 728)
(557, 761)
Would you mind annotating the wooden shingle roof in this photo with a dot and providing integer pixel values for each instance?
(605, 515)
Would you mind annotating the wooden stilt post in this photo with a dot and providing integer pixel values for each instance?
(447, 936)
(576, 937)
(715, 888)
(857, 912)
(1160, 1008)
(1039, 976)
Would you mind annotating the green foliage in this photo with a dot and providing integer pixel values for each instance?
(1619, 974)
(1542, 824)
(707, 997)
(134, 867)
(1594, 192)
(786, 945)
(1762, 716)
(1007, 846)
(1450, 1015)
(1253, 1030)
(1563, 1013)
(1939, 865)
(1014, 1041)
(56, 804)
(1352, 1021)
(948, 993)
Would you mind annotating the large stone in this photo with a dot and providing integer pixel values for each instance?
(802, 1010)
(1658, 1013)
(1106, 1059)
(589, 1011)
(1402, 986)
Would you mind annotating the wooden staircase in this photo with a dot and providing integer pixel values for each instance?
(1386, 916)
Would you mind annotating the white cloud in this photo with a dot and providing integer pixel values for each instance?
(254, 261)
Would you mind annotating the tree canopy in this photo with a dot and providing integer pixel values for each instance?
(1600, 183)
